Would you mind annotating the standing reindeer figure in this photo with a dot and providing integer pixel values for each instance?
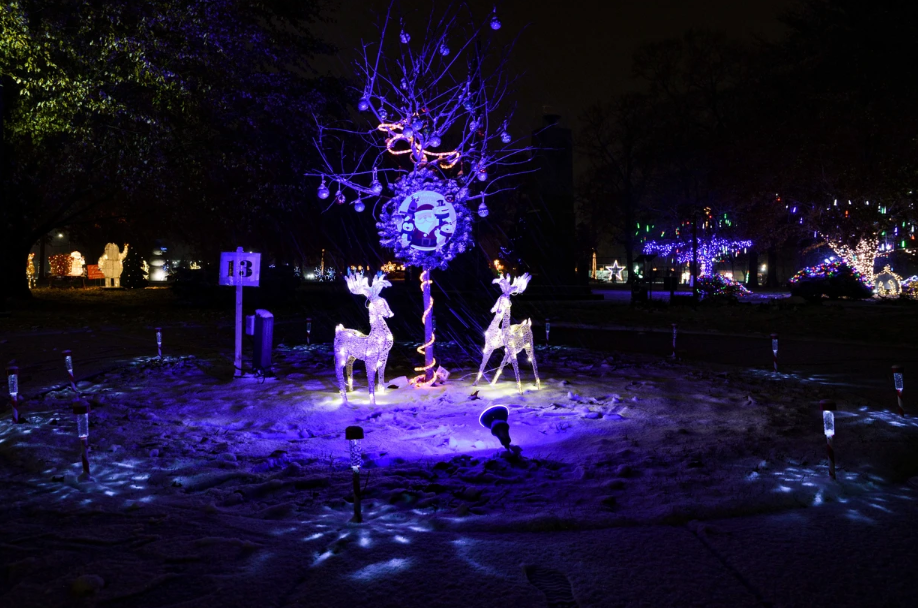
(351, 344)
(512, 338)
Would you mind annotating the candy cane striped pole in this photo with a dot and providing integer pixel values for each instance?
(68, 363)
(159, 342)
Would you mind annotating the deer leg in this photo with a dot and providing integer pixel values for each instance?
(350, 373)
(500, 369)
(530, 352)
(381, 372)
(485, 356)
(516, 370)
(339, 371)
(371, 379)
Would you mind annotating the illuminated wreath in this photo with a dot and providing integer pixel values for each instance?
(426, 223)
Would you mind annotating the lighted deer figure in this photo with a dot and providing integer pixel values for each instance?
(512, 338)
(351, 345)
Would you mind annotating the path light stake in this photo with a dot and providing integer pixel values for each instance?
(159, 342)
(308, 330)
(547, 330)
(675, 333)
(354, 434)
(12, 373)
(81, 411)
(828, 422)
(68, 363)
(897, 380)
(774, 350)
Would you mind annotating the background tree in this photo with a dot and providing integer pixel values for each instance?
(183, 115)
(617, 139)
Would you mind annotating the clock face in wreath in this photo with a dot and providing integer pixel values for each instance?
(429, 221)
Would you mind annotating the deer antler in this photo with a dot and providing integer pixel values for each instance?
(357, 283)
(379, 283)
(512, 287)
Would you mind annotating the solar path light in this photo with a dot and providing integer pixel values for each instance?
(354, 435)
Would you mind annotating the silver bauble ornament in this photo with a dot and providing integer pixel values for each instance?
(482, 210)
(323, 190)
(434, 141)
(376, 187)
(505, 137)
(364, 104)
(444, 50)
(405, 37)
(359, 206)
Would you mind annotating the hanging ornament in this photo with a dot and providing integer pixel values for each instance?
(482, 174)
(473, 124)
(375, 186)
(339, 198)
(404, 83)
(323, 190)
(434, 141)
(495, 22)
(405, 37)
(359, 206)
(408, 132)
(364, 104)
(418, 124)
(505, 137)
(383, 115)
(444, 50)
(468, 105)
(482, 210)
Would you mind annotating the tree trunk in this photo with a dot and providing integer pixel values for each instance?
(14, 259)
(772, 280)
(752, 278)
(694, 258)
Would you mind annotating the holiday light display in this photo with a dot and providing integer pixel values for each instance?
(159, 342)
(30, 271)
(709, 250)
(834, 279)
(373, 349)
(909, 288)
(436, 112)
(615, 271)
(512, 338)
(862, 257)
(887, 284)
(60, 264)
(77, 264)
(898, 383)
(828, 424)
(719, 286)
(110, 264)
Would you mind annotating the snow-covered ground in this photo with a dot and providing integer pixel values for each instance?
(207, 490)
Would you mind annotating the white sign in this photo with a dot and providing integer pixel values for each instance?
(246, 274)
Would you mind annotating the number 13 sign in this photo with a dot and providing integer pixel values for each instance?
(239, 268)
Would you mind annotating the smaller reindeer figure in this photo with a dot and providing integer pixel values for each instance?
(351, 345)
(512, 338)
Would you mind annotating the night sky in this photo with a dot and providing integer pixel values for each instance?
(574, 54)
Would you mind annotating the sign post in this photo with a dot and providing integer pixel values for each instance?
(242, 270)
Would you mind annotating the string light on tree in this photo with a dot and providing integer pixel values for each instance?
(417, 94)
(709, 250)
